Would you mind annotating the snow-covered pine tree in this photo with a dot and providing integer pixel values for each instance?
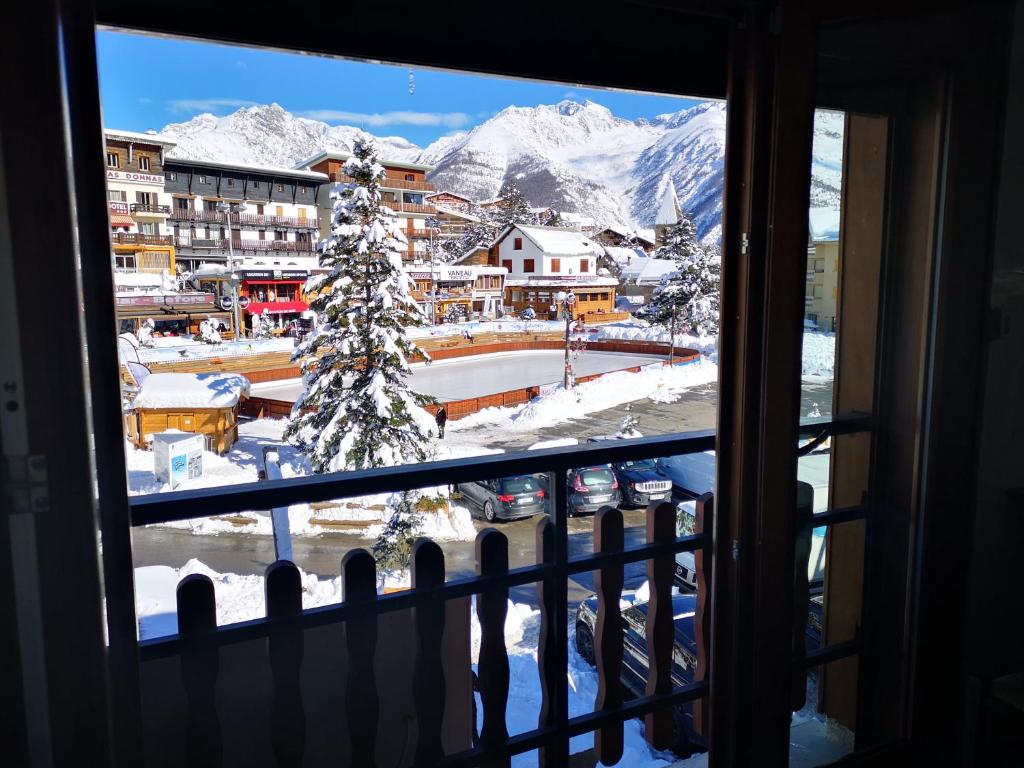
(263, 325)
(208, 333)
(515, 210)
(357, 410)
(680, 240)
(688, 298)
(393, 548)
(628, 425)
(475, 234)
(145, 334)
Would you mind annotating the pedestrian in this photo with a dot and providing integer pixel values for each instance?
(441, 417)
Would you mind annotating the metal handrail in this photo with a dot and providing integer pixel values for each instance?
(185, 505)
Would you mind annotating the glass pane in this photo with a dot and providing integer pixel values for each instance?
(821, 731)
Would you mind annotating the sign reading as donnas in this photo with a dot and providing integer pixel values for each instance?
(141, 178)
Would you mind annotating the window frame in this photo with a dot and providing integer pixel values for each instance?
(529, 266)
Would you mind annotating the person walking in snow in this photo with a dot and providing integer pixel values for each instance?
(441, 417)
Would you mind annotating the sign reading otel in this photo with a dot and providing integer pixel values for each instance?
(140, 178)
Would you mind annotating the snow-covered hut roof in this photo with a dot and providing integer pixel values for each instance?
(668, 207)
(555, 241)
(824, 225)
(622, 255)
(647, 270)
(191, 390)
(447, 192)
(647, 235)
(456, 213)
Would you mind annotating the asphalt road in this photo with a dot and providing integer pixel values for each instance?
(461, 379)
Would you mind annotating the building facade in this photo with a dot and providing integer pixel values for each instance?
(404, 190)
(138, 205)
(542, 261)
(277, 226)
(453, 292)
(820, 300)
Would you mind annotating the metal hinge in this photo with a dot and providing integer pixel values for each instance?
(744, 243)
(28, 484)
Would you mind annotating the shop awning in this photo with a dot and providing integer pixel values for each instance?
(120, 220)
(276, 307)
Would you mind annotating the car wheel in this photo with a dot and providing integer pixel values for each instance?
(489, 512)
(585, 643)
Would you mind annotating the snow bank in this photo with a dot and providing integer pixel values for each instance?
(819, 355)
(174, 348)
(191, 390)
(657, 382)
(640, 330)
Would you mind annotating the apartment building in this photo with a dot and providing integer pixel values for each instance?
(405, 189)
(822, 268)
(138, 205)
(273, 218)
(541, 261)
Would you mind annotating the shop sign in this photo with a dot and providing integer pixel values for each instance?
(243, 302)
(119, 208)
(226, 302)
(140, 178)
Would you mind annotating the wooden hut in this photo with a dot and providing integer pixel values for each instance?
(205, 403)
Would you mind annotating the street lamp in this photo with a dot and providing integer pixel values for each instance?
(566, 301)
(227, 209)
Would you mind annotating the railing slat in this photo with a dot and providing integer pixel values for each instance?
(608, 633)
(285, 648)
(547, 657)
(428, 684)
(197, 620)
(801, 595)
(660, 629)
(492, 665)
(359, 585)
(702, 613)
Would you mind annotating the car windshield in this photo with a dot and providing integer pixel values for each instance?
(598, 476)
(519, 485)
(642, 464)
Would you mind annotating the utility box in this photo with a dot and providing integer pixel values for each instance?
(178, 456)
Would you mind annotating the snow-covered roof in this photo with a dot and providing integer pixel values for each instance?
(191, 390)
(327, 155)
(207, 269)
(142, 280)
(447, 192)
(457, 214)
(151, 138)
(622, 255)
(647, 235)
(556, 241)
(668, 206)
(267, 169)
(577, 219)
(824, 225)
(582, 281)
(647, 270)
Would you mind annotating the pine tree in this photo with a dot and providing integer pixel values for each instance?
(357, 411)
(680, 241)
(208, 333)
(687, 298)
(515, 210)
(393, 548)
(263, 325)
(474, 235)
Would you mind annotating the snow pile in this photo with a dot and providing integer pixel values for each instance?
(191, 390)
(173, 348)
(658, 382)
(640, 330)
(819, 355)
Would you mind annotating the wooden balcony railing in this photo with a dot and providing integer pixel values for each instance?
(389, 183)
(247, 219)
(417, 208)
(133, 238)
(149, 208)
(245, 245)
(282, 648)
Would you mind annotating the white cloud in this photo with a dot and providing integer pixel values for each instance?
(379, 119)
(207, 105)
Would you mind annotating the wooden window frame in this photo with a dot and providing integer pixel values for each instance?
(517, 244)
(556, 264)
(529, 266)
(113, 156)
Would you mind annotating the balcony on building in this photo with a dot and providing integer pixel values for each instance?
(149, 211)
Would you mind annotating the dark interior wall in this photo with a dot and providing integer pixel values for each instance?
(995, 637)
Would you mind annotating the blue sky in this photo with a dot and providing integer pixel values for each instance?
(147, 82)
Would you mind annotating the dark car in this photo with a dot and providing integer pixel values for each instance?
(591, 488)
(641, 482)
(634, 657)
(684, 653)
(509, 498)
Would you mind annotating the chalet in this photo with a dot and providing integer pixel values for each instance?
(449, 200)
(542, 261)
(453, 291)
(404, 190)
(822, 268)
(617, 236)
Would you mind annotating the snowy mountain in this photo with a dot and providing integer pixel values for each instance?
(270, 135)
(574, 157)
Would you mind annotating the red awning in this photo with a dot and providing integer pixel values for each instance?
(276, 307)
(120, 220)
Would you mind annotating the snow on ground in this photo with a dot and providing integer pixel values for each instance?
(658, 382)
(168, 349)
(191, 390)
(242, 465)
(819, 356)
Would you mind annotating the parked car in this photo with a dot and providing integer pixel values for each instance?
(635, 662)
(509, 498)
(591, 488)
(641, 482)
(684, 654)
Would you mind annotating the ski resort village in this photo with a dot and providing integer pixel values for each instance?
(296, 299)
